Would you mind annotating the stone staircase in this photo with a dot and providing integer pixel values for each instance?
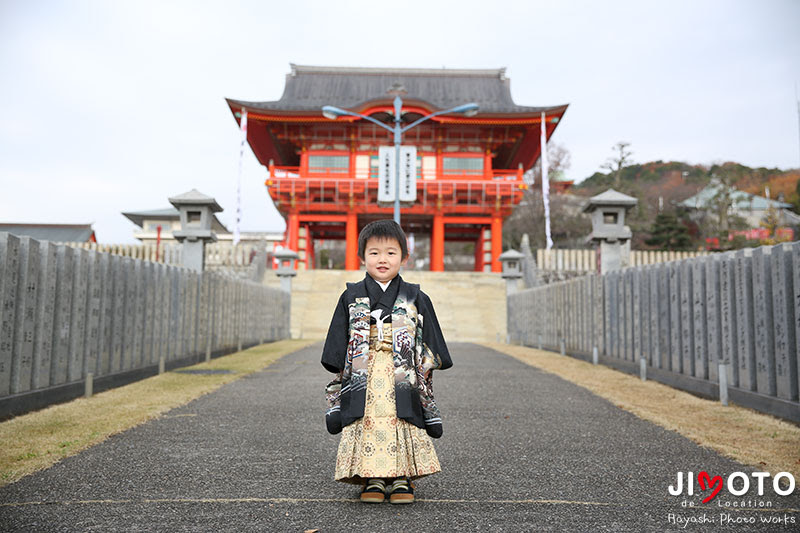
(471, 306)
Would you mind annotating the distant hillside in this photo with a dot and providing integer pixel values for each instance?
(674, 182)
(668, 183)
(668, 176)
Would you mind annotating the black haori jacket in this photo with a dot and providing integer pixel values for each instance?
(417, 346)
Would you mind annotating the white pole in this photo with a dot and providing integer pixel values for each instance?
(545, 183)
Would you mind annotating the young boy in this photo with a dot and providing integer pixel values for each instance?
(383, 344)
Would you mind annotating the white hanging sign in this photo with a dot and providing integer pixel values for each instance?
(408, 173)
(386, 174)
(236, 232)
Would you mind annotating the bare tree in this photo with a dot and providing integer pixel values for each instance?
(558, 161)
(621, 158)
(568, 226)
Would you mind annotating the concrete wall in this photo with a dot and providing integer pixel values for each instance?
(470, 306)
(67, 312)
(218, 255)
(684, 318)
(583, 260)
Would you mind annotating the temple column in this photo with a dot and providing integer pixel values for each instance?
(479, 251)
(487, 164)
(437, 244)
(292, 231)
(497, 242)
(351, 248)
(304, 161)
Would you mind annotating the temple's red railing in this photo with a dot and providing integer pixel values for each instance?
(322, 191)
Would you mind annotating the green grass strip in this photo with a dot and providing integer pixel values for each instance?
(37, 440)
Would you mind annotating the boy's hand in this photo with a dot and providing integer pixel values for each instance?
(333, 422)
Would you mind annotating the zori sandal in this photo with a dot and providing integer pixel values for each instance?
(401, 491)
(374, 491)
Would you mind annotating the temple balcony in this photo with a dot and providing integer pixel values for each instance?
(327, 189)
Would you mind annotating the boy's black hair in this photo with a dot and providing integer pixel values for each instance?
(382, 229)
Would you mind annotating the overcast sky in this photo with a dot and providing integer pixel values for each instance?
(111, 106)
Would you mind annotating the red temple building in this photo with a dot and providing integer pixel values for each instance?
(323, 174)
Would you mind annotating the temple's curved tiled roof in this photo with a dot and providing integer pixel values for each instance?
(309, 88)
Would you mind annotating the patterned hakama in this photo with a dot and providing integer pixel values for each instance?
(380, 445)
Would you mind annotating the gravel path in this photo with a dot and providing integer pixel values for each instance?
(522, 451)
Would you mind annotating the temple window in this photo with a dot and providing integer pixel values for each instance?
(459, 166)
(328, 164)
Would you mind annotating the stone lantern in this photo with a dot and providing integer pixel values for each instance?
(196, 214)
(609, 232)
(512, 269)
(286, 266)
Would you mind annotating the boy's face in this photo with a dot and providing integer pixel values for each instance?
(383, 258)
